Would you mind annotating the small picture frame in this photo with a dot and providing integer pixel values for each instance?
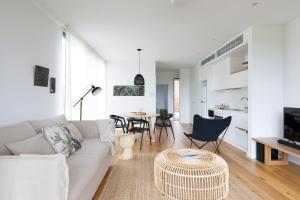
(52, 85)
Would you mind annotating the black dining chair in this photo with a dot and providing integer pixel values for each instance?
(163, 121)
(208, 130)
(120, 122)
(163, 111)
(139, 126)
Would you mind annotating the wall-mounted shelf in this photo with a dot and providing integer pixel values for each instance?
(239, 70)
(224, 79)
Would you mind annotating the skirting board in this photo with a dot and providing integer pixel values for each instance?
(235, 145)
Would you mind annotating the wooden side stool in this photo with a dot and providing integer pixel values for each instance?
(126, 142)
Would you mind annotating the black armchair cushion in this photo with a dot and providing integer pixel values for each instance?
(208, 129)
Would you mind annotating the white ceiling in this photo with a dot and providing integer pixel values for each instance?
(176, 35)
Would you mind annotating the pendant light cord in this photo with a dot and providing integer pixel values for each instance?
(139, 50)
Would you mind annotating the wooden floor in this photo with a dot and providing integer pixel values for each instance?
(268, 182)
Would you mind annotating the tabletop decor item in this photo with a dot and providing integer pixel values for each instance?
(190, 174)
(139, 113)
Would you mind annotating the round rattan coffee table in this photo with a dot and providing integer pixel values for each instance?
(189, 174)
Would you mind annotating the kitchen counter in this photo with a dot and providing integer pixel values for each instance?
(238, 129)
(229, 110)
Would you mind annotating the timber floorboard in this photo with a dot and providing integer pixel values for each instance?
(268, 182)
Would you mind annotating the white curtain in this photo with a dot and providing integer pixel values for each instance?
(84, 68)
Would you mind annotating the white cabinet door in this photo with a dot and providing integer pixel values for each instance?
(221, 75)
(239, 80)
(203, 73)
(223, 79)
(209, 77)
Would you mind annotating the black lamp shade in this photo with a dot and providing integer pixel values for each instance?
(96, 90)
(139, 80)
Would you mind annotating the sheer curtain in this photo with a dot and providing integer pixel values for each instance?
(84, 68)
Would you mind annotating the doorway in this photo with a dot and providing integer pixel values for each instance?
(176, 98)
(161, 97)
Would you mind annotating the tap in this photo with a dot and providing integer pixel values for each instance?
(245, 101)
(244, 98)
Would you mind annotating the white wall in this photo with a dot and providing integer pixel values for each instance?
(86, 68)
(292, 64)
(167, 77)
(265, 83)
(292, 67)
(230, 97)
(195, 92)
(28, 38)
(185, 95)
(123, 73)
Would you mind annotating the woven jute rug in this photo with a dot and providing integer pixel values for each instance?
(134, 180)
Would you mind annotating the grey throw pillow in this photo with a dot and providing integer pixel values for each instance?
(61, 139)
(34, 145)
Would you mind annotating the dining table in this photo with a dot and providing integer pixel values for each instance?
(144, 115)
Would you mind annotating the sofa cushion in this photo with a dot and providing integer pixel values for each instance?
(74, 131)
(15, 133)
(34, 145)
(88, 129)
(39, 124)
(85, 166)
(93, 146)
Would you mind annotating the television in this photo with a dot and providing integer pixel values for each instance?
(292, 124)
(41, 76)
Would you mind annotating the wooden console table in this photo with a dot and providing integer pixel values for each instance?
(270, 143)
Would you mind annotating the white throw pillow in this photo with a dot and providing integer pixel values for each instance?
(61, 139)
(34, 145)
(74, 131)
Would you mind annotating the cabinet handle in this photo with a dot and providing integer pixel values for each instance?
(242, 129)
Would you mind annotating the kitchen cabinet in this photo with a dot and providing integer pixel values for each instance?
(234, 135)
(223, 79)
(239, 79)
(203, 73)
(209, 78)
(221, 75)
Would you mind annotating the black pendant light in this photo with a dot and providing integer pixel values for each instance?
(139, 79)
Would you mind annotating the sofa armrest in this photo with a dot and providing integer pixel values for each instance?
(24, 177)
(90, 129)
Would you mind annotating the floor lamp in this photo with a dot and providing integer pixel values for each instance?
(94, 90)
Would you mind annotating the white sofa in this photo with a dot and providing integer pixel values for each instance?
(86, 167)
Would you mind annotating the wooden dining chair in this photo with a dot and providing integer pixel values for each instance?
(120, 122)
(163, 121)
(139, 126)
